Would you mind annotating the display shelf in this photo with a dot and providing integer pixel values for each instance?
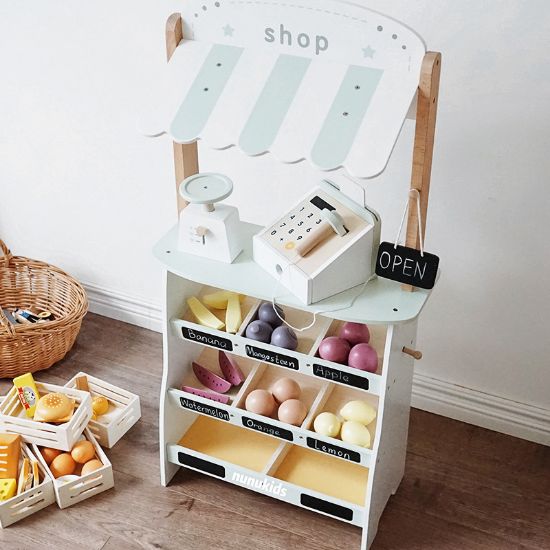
(381, 302)
(316, 395)
(244, 458)
(242, 73)
(283, 358)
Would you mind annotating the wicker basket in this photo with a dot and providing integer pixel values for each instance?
(28, 283)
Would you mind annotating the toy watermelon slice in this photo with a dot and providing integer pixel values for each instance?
(230, 368)
(210, 379)
(215, 396)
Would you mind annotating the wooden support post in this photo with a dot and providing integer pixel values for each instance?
(426, 114)
(186, 157)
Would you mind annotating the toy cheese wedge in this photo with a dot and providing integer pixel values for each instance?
(10, 448)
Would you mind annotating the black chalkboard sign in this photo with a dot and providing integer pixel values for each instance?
(267, 356)
(335, 375)
(209, 410)
(207, 339)
(334, 450)
(406, 265)
(266, 428)
(200, 464)
(327, 507)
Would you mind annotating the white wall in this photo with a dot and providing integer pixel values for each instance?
(80, 188)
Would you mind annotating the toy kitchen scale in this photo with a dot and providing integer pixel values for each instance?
(332, 83)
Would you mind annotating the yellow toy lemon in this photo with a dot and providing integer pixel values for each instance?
(100, 405)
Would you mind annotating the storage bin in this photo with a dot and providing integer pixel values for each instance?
(89, 485)
(57, 436)
(29, 502)
(124, 410)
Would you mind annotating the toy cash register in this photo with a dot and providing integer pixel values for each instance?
(323, 246)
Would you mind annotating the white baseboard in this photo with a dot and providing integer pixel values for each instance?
(481, 409)
(123, 307)
(430, 394)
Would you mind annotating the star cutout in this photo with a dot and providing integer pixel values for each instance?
(228, 30)
(368, 52)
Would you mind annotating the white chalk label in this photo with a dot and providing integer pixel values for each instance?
(271, 357)
(201, 408)
(341, 377)
(268, 429)
(333, 450)
(406, 265)
(207, 339)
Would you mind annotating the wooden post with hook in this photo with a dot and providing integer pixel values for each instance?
(186, 156)
(426, 115)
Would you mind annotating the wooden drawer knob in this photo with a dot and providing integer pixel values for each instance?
(412, 352)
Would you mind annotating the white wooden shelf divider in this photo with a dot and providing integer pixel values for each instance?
(271, 427)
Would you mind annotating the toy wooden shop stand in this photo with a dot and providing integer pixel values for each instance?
(333, 83)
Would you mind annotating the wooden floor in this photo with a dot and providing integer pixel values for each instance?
(465, 488)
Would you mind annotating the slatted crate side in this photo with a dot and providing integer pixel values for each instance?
(61, 436)
(85, 486)
(29, 502)
(108, 434)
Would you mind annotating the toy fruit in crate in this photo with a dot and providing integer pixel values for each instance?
(80, 473)
(60, 417)
(24, 486)
(115, 410)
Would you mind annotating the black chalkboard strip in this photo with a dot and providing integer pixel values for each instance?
(327, 507)
(202, 465)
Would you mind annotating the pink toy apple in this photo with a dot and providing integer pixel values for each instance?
(363, 357)
(334, 349)
(355, 333)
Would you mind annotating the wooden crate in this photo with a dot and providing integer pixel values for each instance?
(29, 502)
(124, 410)
(62, 436)
(84, 487)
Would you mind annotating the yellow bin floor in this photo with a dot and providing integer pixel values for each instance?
(324, 474)
(224, 441)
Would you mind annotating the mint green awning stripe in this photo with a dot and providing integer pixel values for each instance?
(204, 93)
(345, 116)
(273, 104)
